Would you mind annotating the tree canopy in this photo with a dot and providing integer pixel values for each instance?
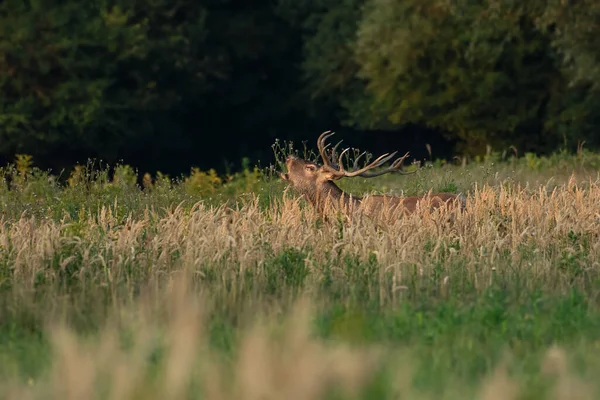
(168, 85)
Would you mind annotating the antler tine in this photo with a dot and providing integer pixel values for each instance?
(355, 165)
(322, 147)
(338, 170)
(333, 161)
(395, 167)
(378, 162)
(340, 162)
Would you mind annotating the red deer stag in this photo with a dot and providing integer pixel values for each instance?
(316, 184)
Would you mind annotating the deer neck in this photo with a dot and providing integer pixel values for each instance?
(330, 192)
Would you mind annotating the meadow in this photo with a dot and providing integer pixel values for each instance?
(233, 288)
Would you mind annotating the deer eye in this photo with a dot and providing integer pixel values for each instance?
(310, 167)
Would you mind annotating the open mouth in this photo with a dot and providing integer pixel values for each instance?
(283, 176)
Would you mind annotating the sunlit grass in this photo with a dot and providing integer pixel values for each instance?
(231, 287)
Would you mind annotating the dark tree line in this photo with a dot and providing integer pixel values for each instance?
(167, 84)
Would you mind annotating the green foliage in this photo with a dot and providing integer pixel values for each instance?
(165, 85)
(502, 73)
(330, 28)
(573, 29)
(287, 270)
(202, 183)
(481, 72)
(107, 79)
(84, 74)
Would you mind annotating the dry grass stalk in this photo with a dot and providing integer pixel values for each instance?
(497, 223)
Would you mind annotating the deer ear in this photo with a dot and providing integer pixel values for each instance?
(328, 175)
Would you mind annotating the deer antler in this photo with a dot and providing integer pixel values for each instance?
(323, 148)
(338, 170)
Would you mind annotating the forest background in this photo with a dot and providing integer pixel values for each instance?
(165, 85)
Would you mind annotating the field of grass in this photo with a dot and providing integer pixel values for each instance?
(232, 288)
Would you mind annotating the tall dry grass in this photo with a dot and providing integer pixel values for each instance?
(182, 257)
(504, 228)
(133, 295)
